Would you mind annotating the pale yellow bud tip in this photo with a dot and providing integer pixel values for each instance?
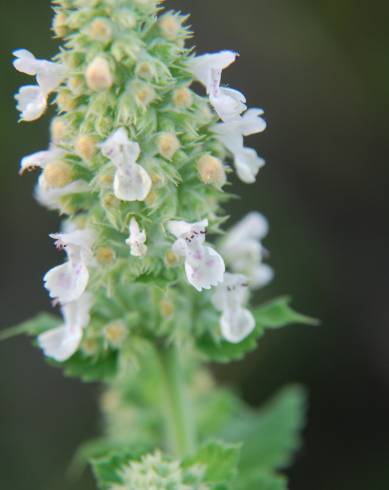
(85, 146)
(168, 144)
(100, 30)
(166, 307)
(182, 98)
(169, 26)
(115, 333)
(60, 27)
(171, 258)
(211, 170)
(58, 174)
(98, 75)
(58, 128)
(105, 255)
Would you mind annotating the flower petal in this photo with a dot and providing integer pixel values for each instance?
(60, 343)
(131, 183)
(247, 164)
(67, 282)
(206, 271)
(236, 325)
(31, 102)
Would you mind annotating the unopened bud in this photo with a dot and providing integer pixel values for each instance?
(145, 70)
(90, 346)
(151, 198)
(65, 101)
(98, 75)
(166, 308)
(144, 95)
(75, 84)
(105, 255)
(115, 333)
(106, 179)
(182, 98)
(58, 174)
(169, 26)
(100, 30)
(111, 201)
(58, 129)
(85, 146)
(168, 144)
(211, 170)
(171, 258)
(59, 26)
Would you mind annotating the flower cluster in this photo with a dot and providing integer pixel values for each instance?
(138, 165)
(134, 150)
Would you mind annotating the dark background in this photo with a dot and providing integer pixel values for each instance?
(320, 69)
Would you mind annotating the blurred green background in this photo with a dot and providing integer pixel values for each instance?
(320, 69)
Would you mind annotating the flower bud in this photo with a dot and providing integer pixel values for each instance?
(169, 26)
(182, 98)
(171, 259)
(85, 146)
(166, 308)
(168, 144)
(145, 70)
(144, 95)
(151, 198)
(100, 30)
(58, 129)
(60, 26)
(75, 84)
(115, 333)
(110, 201)
(211, 170)
(90, 346)
(105, 255)
(65, 101)
(98, 74)
(106, 179)
(58, 174)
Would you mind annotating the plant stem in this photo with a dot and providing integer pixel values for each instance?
(179, 422)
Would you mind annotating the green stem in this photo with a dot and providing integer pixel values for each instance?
(179, 422)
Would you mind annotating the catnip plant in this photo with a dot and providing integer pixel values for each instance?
(142, 148)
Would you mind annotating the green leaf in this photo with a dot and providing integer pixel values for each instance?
(219, 459)
(107, 469)
(271, 436)
(261, 481)
(272, 315)
(88, 368)
(278, 313)
(33, 327)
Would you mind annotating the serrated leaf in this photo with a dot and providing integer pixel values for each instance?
(33, 327)
(219, 459)
(271, 436)
(272, 315)
(278, 313)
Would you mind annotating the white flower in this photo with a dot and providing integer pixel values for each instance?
(62, 342)
(31, 102)
(48, 75)
(67, 282)
(40, 159)
(50, 197)
(247, 164)
(204, 267)
(137, 239)
(236, 322)
(208, 68)
(131, 181)
(231, 133)
(228, 103)
(32, 99)
(244, 252)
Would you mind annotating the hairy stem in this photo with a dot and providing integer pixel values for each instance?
(179, 422)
